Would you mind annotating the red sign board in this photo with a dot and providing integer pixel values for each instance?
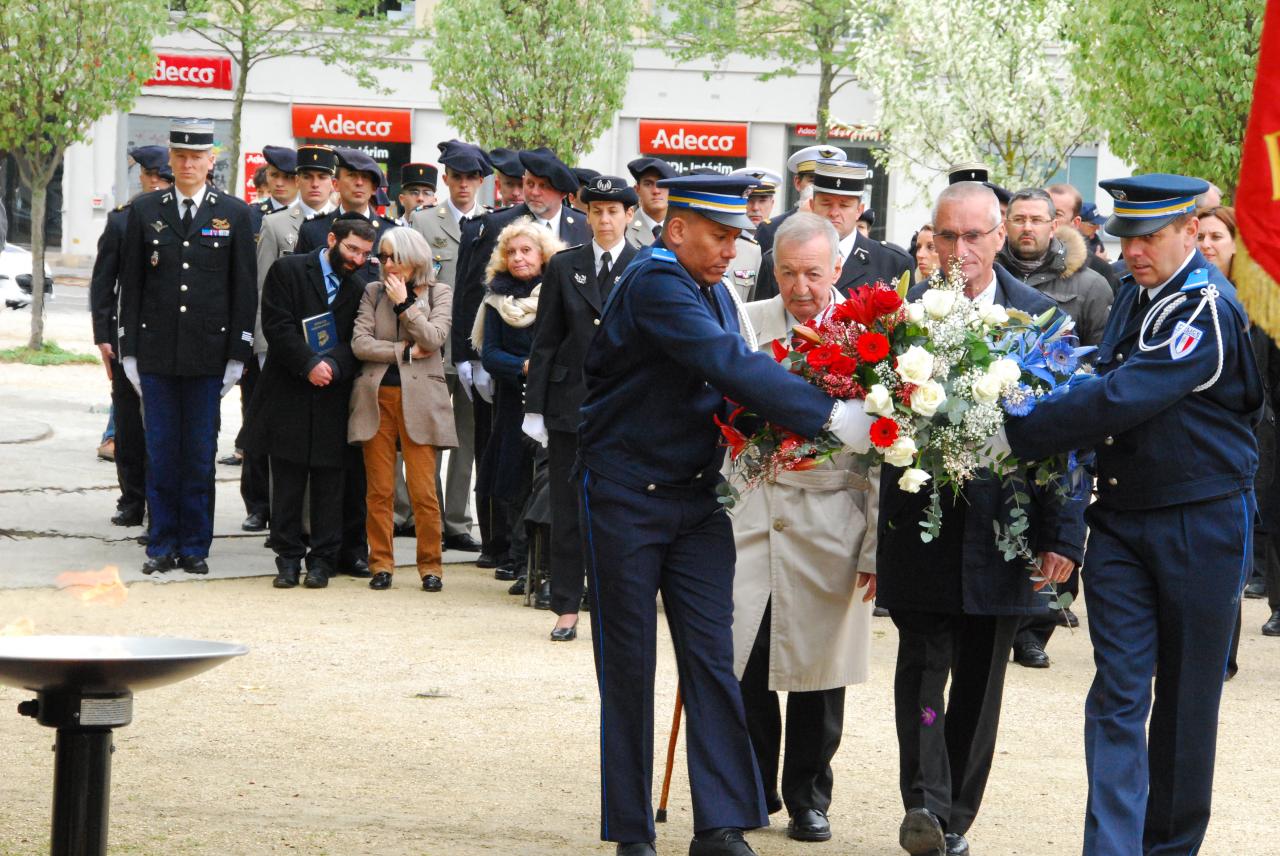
(863, 133)
(332, 122)
(703, 139)
(203, 72)
(252, 160)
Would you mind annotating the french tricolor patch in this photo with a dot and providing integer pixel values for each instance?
(1184, 341)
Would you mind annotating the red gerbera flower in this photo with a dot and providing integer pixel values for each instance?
(873, 347)
(821, 357)
(844, 365)
(883, 432)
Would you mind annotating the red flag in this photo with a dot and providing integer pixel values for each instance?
(1256, 269)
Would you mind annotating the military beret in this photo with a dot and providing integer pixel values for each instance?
(640, 166)
(609, 188)
(464, 157)
(584, 174)
(1147, 203)
(155, 158)
(356, 160)
(507, 162)
(722, 198)
(543, 163)
(317, 157)
(282, 158)
(415, 174)
(867, 216)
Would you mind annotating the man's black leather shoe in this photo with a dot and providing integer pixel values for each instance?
(1255, 589)
(957, 845)
(432, 583)
(1066, 618)
(542, 600)
(640, 848)
(159, 565)
(194, 565)
(1030, 654)
(489, 560)
(380, 581)
(287, 573)
(127, 517)
(517, 587)
(357, 568)
(463, 542)
(316, 578)
(772, 802)
(254, 523)
(725, 841)
(921, 833)
(809, 825)
(507, 573)
(1272, 625)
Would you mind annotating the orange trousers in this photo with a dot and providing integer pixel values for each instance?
(380, 478)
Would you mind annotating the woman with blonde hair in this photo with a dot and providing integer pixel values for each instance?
(400, 394)
(503, 335)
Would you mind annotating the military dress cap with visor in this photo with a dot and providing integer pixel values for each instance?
(543, 163)
(841, 177)
(640, 166)
(1147, 203)
(721, 198)
(464, 157)
(609, 188)
(769, 180)
(806, 160)
(507, 162)
(194, 134)
(419, 175)
(282, 158)
(318, 157)
(977, 172)
(154, 158)
(358, 161)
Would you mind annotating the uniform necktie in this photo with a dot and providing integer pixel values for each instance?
(547, 223)
(188, 206)
(657, 231)
(606, 261)
(1144, 298)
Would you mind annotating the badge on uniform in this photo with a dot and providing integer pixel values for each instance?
(861, 254)
(159, 225)
(155, 258)
(220, 223)
(438, 240)
(215, 233)
(744, 274)
(580, 278)
(1184, 341)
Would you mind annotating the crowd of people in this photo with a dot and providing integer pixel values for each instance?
(571, 347)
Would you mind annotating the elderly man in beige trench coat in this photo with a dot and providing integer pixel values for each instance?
(805, 572)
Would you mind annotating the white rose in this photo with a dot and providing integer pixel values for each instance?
(901, 453)
(915, 365)
(878, 401)
(927, 398)
(938, 302)
(993, 315)
(915, 312)
(1006, 370)
(912, 480)
(986, 389)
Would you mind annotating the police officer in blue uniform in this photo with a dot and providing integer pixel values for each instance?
(1170, 415)
(667, 356)
(188, 298)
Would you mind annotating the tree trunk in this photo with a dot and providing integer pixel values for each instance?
(237, 107)
(825, 80)
(38, 182)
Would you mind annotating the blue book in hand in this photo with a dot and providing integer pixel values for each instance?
(321, 332)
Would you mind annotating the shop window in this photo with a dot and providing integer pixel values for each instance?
(17, 204)
(1081, 172)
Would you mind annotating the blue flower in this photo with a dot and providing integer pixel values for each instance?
(1020, 400)
(1061, 357)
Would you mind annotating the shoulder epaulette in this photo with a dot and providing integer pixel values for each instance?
(743, 236)
(662, 254)
(568, 249)
(122, 206)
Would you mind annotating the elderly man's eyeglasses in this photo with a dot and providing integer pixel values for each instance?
(1023, 222)
(970, 237)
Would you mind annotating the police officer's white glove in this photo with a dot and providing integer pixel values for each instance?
(231, 376)
(130, 366)
(851, 423)
(482, 380)
(536, 427)
(464, 377)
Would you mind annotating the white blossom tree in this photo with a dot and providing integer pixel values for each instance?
(976, 81)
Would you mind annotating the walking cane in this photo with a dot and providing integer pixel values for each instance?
(660, 816)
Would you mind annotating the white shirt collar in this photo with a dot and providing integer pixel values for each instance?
(1153, 293)
(308, 211)
(369, 213)
(554, 221)
(616, 250)
(197, 198)
(457, 214)
(987, 296)
(846, 245)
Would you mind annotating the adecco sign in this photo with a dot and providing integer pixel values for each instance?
(328, 122)
(204, 72)
(705, 139)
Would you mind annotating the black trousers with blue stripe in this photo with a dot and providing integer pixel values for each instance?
(637, 544)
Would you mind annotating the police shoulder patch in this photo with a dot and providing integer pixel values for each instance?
(1185, 339)
(662, 254)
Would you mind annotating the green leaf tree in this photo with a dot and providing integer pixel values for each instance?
(984, 80)
(352, 35)
(1170, 81)
(64, 64)
(528, 73)
(822, 33)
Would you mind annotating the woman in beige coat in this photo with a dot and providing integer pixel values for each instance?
(400, 394)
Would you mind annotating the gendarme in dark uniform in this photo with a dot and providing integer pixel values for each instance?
(187, 303)
(1171, 418)
(314, 232)
(667, 354)
(801, 165)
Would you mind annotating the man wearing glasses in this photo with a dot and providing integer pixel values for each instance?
(299, 417)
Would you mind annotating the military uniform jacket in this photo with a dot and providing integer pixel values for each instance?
(104, 297)
(638, 234)
(745, 267)
(1160, 442)
(667, 354)
(277, 236)
(477, 241)
(187, 300)
(764, 232)
(314, 234)
(869, 261)
(568, 315)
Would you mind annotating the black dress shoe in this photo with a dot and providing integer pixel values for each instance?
(159, 565)
(809, 825)
(1255, 589)
(564, 634)
(1066, 618)
(404, 530)
(489, 560)
(380, 581)
(1030, 655)
(641, 848)
(432, 583)
(127, 517)
(254, 522)
(232, 460)
(957, 845)
(507, 573)
(357, 568)
(194, 565)
(463, 542)
(725, 841)
(1272, 625)
(517, 587)
(772, 802)
(542, 600)
(287, 573)
(921, 833)
(316, 578)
